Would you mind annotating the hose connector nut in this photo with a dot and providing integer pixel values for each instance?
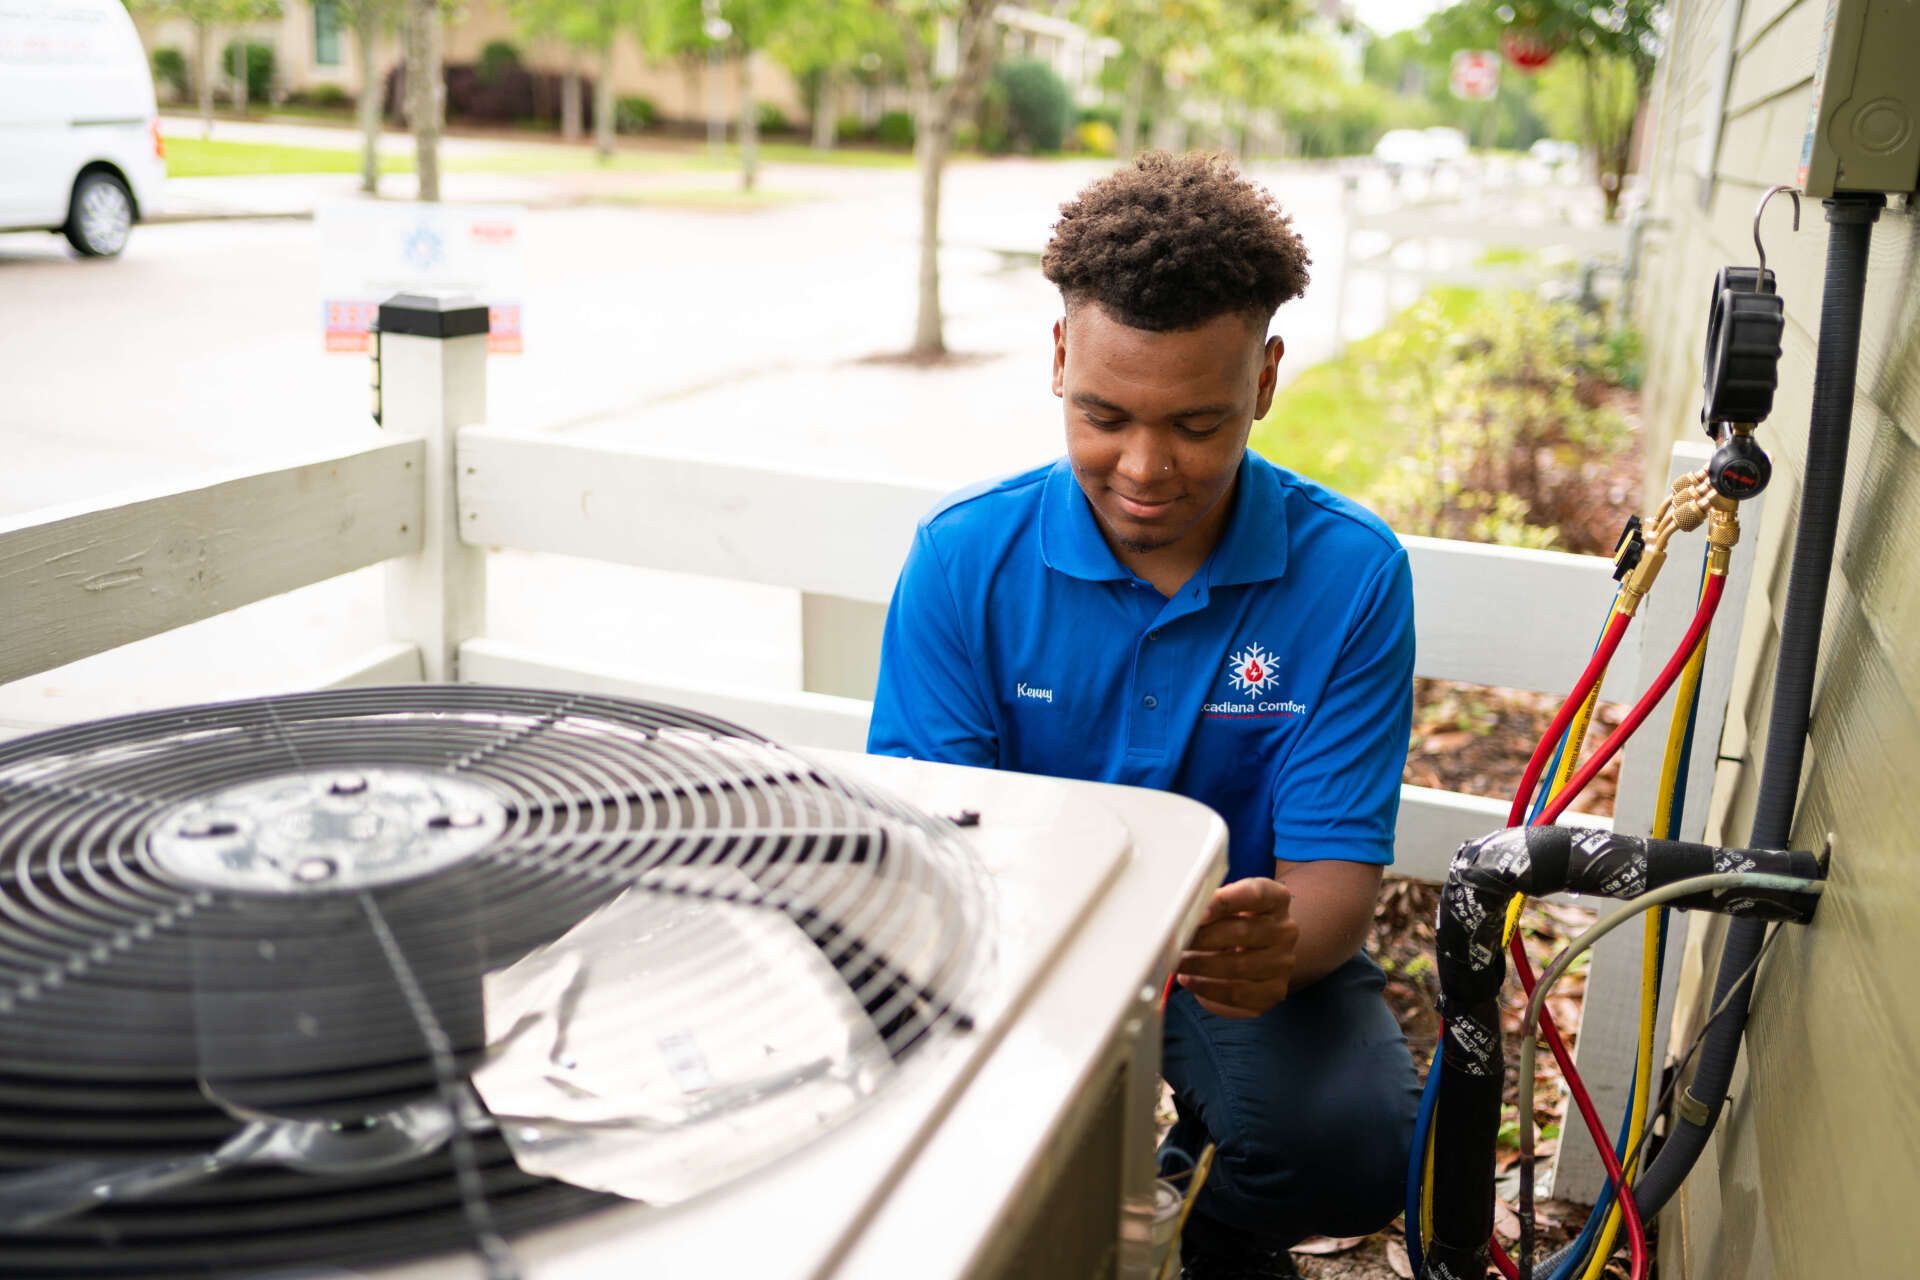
(1691, 493)
(1639, 581)
(1723, 534)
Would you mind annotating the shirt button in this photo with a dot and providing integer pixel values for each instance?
(1150, 702)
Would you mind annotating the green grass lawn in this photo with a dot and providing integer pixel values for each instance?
(216, 158)
(213, 158)
(1327, 425)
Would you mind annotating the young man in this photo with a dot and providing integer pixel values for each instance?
(1162, 608)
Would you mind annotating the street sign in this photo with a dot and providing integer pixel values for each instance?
(1476, 75)
(369, 252)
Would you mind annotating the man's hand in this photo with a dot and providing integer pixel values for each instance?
(1240, 962)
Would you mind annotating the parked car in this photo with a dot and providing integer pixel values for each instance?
(1445, 145)
(80, 147)
(1420, 150)
(1554, 153)
(1403, 149)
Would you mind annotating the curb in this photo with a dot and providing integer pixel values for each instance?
(240, 215)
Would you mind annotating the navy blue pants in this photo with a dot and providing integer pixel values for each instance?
(1310, 1107)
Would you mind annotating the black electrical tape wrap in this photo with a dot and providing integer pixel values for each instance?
(1741, 366)
(1485, 875)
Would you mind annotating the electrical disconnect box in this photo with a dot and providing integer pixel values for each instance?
(1863, 130)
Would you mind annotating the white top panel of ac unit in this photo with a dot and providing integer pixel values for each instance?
(1092, 887)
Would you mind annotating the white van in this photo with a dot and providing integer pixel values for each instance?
(80, 149)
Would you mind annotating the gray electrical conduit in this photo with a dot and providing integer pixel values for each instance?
(1851, 219)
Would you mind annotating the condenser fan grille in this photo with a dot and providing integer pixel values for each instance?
(273, 973)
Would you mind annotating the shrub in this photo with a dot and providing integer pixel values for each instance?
(851, 129)
(259, 64)
(498, 59)
(990, 118)
(772, 119)
(1039, 105)
(170, 69)
(1113, 114)
(895, 129)
(1516, 429)
(634, 114)
(328, 95)
(1096, 137)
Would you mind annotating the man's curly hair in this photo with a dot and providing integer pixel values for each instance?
(1175, 241)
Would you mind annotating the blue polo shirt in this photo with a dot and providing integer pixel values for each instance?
(1275, 687)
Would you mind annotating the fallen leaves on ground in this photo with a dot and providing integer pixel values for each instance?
(1322, 1246)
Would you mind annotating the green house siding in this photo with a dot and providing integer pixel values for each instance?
(1812, 1170)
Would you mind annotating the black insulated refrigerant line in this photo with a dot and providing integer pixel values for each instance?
(1850, 235)
(1485, 875)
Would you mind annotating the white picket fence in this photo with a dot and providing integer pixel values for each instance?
(81, 581)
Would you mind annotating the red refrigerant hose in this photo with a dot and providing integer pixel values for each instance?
(1702, 619)
(1556, 805)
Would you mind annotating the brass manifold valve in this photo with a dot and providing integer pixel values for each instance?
(1642, 549)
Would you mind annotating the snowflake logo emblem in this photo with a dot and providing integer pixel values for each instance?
(423, 248)
(1251, 670)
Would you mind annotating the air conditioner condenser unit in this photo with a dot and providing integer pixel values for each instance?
(435, 981)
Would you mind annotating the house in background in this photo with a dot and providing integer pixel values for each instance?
(314, 46)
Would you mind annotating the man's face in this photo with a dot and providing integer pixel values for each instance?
(1157, 422)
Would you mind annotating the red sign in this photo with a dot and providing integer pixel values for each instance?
(1476, 74)
(1527, 51)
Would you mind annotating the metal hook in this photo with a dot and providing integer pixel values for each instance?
(1770, 194)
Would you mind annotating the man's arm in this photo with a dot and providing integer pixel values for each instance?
(1261, 939)
(929, 703)
(1333, 901)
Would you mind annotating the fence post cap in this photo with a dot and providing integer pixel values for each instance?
(426, 315)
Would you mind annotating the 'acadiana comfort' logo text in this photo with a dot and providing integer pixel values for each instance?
(1253, 673)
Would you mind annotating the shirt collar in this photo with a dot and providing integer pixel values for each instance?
(1070, 537)
(1254, 546)
(1252, 549)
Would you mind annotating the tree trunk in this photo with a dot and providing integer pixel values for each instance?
(824, 123)
(749, 124)
(1132, 108)
(716, 109)
(570, 98)
(930, 156)
(603, 106)
(240, 75)
(203, 74)
(365, 33)
(936, 109)
(425, 92)
(690, 83)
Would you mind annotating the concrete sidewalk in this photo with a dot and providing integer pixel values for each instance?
(296, 196)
